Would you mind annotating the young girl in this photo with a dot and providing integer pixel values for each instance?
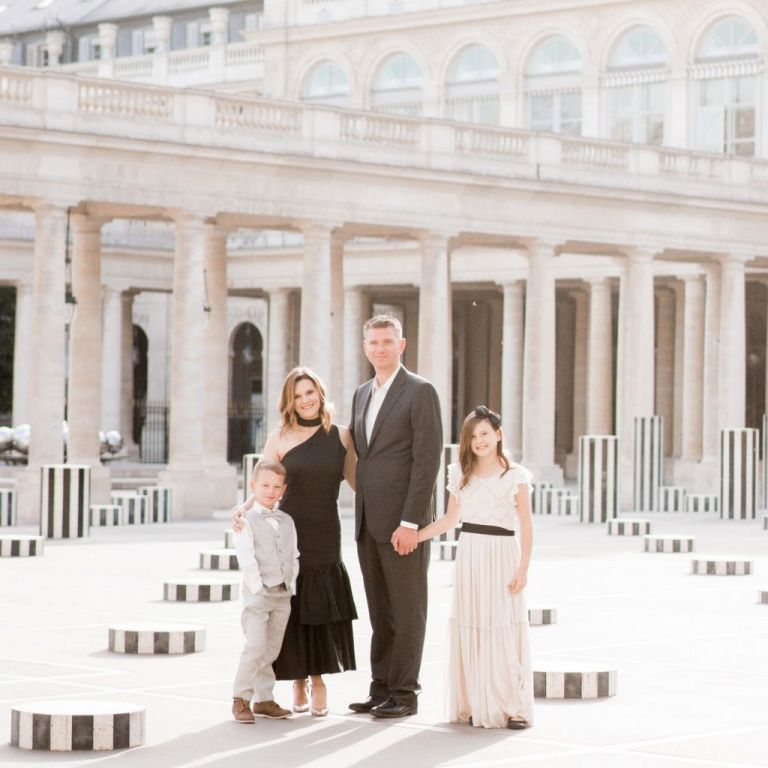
(489, 672)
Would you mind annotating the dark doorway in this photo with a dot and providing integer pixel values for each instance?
(246, 429)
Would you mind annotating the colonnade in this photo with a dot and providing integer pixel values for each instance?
(702, 347)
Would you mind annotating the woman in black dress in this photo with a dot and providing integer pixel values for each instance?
(318, 456)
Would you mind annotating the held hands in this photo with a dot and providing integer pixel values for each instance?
(404, 540)
(518, 583)
(238, 519)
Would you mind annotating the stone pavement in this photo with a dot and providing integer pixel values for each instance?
(691, 653)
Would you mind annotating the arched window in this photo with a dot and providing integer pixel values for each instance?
(472, 88)
(726, 88)
(635, 87)
(326, 83)
(553, 86)
(398, 86)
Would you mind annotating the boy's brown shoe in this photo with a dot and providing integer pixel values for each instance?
(242, 712)
(270, 709)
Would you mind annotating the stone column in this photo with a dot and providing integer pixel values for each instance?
(692, 438)
(220, 477)
(6, 52)
(732, 357)
(126, 374)
(665, 363)
(22, 352)
(55, 40)
(336, 381)
(219, 25)
(185, 465)
(108, 40)
(435, 322)
(112, 359)
(539, 366)
(47, 355)
(677, 378)
(316, 333)
(277, 352)
(580, 358)
(354, 360)
(599, 389)
(162, 26)
(512, 367)
(84, 397)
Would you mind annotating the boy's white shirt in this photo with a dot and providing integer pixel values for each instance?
(246, 557)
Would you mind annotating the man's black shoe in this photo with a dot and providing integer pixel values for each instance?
(391, 708)
(366, 706)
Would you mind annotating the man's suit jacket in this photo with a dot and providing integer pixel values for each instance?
(396, 469)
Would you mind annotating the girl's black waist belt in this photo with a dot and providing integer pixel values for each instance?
(488, 530)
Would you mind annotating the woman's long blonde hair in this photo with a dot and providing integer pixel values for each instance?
(286, 404)
(466, 457)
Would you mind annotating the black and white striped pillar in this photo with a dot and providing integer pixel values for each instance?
(537, 491)
(702, 502)
(668, 544)
(762, 596)
(627, 526)
(539, 617)
(550, 500)
(598, 478)
(568, 506)
(21, 546)
(134, 507)
(648, 455)
(577, 680)
(7, 506)
(104, 515)
(250, 460)
(200, 591)
(672, 498)
(448, 549)
(219, 560)
(229, 539)
(65, 499)
(60, 725)
(721, 566)
(156, 639)
(450, 456)
(738, 474)
(764, 454)
(158, 503)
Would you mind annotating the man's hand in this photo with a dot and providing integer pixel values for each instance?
(238, 519)
(404, 540)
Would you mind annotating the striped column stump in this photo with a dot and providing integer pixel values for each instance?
(134, 507)
(702, 502)
(104, 515)
(647, 463)
(539, 617)
(229, 539)
(7, 506)
(536, 496)
(721, 566)
(200, 591)
(21, 546)
(65, 498)
(158, 503)
(61, 725)
(672, 498)
(627, 526)
(219, 560)
(568, 506)
(738, 474)
(449, 456)
(448, 549)
(156, 639)
(762, 596)
(668, 543)
(250, 460)
(598, 478)
(576, 680)
(550, 500)
(765, 522)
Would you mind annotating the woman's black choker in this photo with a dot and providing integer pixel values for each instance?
(316, 422)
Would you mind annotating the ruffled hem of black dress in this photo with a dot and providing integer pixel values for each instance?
(324, 594)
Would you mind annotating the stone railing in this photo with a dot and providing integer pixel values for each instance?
(50, 100)
(207, 65)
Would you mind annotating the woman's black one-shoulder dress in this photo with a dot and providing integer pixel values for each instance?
(318, 639)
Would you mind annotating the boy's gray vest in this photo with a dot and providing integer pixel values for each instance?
(274, 549)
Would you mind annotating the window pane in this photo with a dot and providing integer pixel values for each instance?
(654, 130)
(745, 90)
(729, 37)
(711, 92)
(744, 120)
(570, 106)
(553, 55)
(541, 112)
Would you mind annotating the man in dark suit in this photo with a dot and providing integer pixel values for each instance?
(398, 437)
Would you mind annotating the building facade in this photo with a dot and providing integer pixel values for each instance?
(564, 202)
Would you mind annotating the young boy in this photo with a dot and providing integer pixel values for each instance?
(268, 558)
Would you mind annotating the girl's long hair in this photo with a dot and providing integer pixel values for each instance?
(286, 404)
(466, 457)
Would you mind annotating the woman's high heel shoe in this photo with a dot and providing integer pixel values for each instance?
(300, 703)
(319, 700)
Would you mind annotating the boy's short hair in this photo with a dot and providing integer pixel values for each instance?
(271, 465)
(384, 321)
